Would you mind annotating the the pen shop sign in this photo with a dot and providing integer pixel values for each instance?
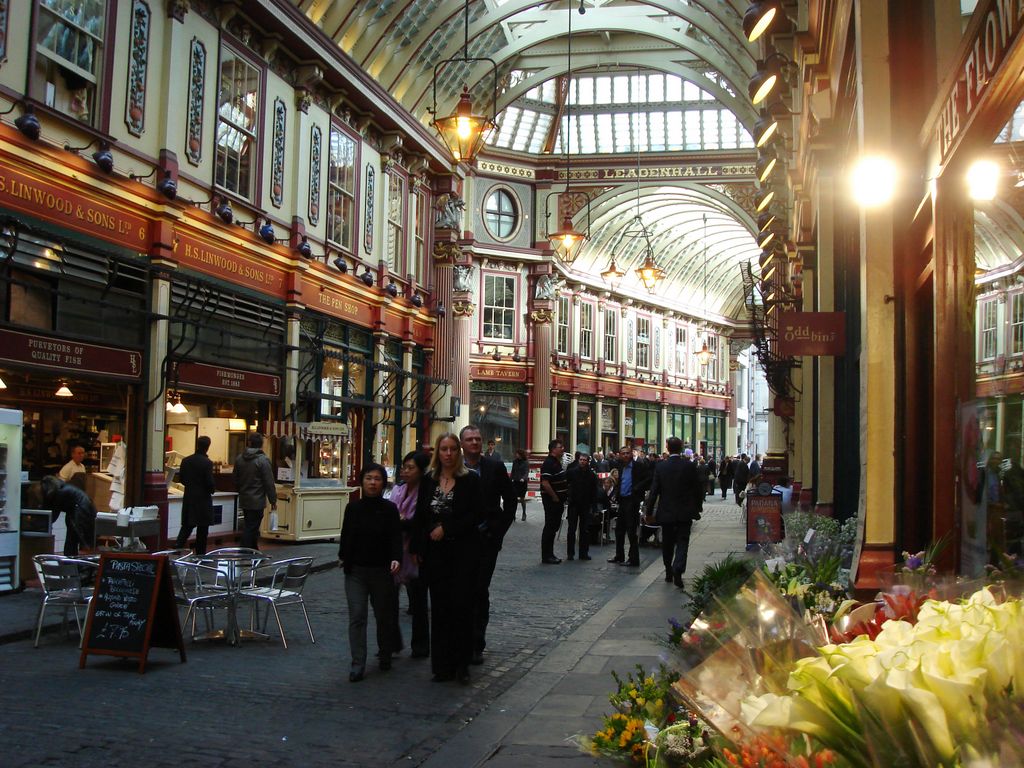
(812, 334)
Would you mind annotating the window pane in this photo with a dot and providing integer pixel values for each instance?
(638, 84)
(673, 88)
(605, 138)
(657, 131)
(690, 91)
(656, 88)
(674, 130)
(237, 115)
(711, 136)
(603, 90)
(588, 136)
(586, 91)
(340, 189)
(692, 129)
(621, 89)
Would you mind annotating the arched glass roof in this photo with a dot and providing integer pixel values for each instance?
(647, 76)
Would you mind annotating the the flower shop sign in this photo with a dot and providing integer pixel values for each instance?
(815, 334)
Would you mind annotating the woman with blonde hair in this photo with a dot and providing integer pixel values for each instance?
(446, 539)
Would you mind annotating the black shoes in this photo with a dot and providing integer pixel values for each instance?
(570, 557)
(442, 677)
(585, 557)
(462, 675)
(668, 575)
(355, 675)
(616, 560)
(419, 653)
(478, 658)
(678, 579)
(550, 561)
(385, 665)
(524, 517)
(632, 564)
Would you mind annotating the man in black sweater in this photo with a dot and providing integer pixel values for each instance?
(582, 497)
(497, 514)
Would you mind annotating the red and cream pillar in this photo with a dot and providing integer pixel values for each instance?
(542, 318)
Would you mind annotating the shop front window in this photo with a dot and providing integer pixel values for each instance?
(682, 350)
(341, 189)
(500, 418)
(586, 331)
(563, 325)
(395, 246)
(611, 325)
(562, 422)
(643, 342)
(499, 307)
(1017, 324)
(238, 119)
(989, 314)
(609, 428)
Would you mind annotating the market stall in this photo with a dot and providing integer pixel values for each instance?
(312, 467)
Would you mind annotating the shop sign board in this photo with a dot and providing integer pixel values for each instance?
(197, 254)
(764, 518)
(333, 302)
(69, 356)
(497, 373)
(814, 334)
(993, 30)
(65, 207)
(224, 379)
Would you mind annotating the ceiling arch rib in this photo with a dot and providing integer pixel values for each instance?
(557, 28)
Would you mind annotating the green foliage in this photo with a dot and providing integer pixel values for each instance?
(723, 579)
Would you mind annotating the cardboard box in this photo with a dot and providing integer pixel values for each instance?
(97, 488)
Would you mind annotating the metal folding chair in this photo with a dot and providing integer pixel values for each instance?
(67, 583)
(286, 585)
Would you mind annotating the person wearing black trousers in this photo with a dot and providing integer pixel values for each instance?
(447, 540)
(634, 480)
(370, 553)
(406, 498)
(583, 487)
(677, 491)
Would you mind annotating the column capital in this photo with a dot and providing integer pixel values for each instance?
(542, 316)
(463, 308)
(446, 252)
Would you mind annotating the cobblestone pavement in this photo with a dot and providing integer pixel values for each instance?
(260, 704)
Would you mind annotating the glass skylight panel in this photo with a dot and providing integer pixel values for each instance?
(524, 129)
(657, 123)
(621, 89)
(603, 90)
(690, 91)
(746, 140)
(656, 88)
(692, 129)
(588, 136)
(582, 90)
(674, 130)
(640, 132)
(623, 138)
(605, 137)
(540, 132)
(711, 136)
(548, 92)
(727, 122)
(638, 88)
(535, 94)
(673, 88)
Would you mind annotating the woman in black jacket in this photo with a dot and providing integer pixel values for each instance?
(520, 475)
(370, 553)
(447, 540)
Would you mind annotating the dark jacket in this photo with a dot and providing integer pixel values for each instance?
(79, 511)
(196, 474)
(676, 490)
(371, 534)
(740, 475)
(459, 524)
(583, 487)
(254, 479)
(641, 479)
(520, 470)
(499, 500)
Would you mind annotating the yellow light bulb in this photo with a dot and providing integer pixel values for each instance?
(568, 241)
(463, 127)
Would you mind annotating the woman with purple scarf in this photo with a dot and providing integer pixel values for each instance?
(404, 497)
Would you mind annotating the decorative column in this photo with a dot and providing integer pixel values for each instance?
(463, 309)
(293, 339)
(663, 428)
(380, 377)
(698, 428)
(574, 405)
(449, 363)
(597, 423)
(543, 405)
(622, 422)
(408, 419)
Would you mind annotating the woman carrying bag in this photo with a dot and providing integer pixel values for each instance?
(405, 497)
(446, 539)
(371, 553)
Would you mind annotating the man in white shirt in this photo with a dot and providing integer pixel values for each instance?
(74, 466)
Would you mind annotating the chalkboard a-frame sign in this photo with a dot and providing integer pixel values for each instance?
(132, 609)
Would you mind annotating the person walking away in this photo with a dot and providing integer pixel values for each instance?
(405, 497)
(370, 551)
(254, 480)
(702, 478)
(755, 470)
(740, 476)
(446, 538)
(520, 477)
(79, 512)
(583, 487)
(196, 474)
(725, 475)
(554, 489)
(497, 514)
(712, 475)
(634, 481)
(676, 491)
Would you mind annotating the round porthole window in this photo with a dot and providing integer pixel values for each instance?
(501, 215)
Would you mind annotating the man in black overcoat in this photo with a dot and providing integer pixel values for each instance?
(676, 493)
(196, 474)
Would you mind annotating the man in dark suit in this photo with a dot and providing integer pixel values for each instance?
(634, 481)
(677, 492)
(196, 474)
(494, 519)
(740, 477)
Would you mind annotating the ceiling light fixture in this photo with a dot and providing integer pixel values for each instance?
(760, 17)
(3, 384)
(764, 128)
(983, 180)
(567, 240)
(463, 132)
(103, 157)
(767, 77)
(178, 407)
(63, 391)
(764, 199)
(766, 163)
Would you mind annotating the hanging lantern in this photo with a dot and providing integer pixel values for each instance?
(462, 131)
(566, 241)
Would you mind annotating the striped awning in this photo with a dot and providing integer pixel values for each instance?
(306, 430)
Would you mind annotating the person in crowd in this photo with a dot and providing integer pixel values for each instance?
(712, 476)
(79, 512)
(634, 481)
(583, 485)
(600, 463)
(725, 474)
(676, 492)
(74, 465)
(496, 516)
(405, 498)
(703, 475)
(446, 538)
(755, 470)
(520, 476)
(492, 451)
(370, 552)
(740, 476)
(554, 489)
(196, 474)
(254, 480)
